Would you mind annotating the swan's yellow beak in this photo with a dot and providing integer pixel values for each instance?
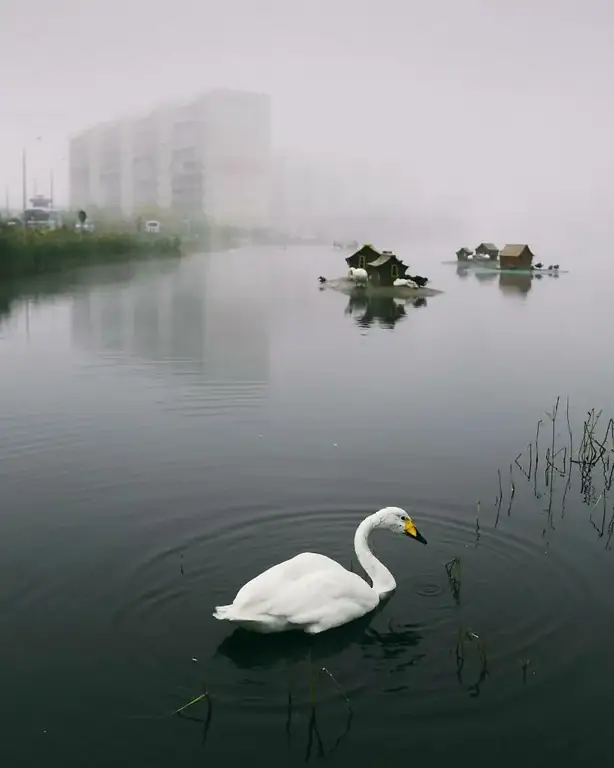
(411, 530)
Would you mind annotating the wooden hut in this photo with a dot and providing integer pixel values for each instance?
(463, 254)
(362, 257)
(516, 256)
(487, 250)
(386, 269)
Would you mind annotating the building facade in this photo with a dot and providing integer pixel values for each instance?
(209, 158)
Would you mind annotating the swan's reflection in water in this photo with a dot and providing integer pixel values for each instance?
(312, 658)
(250, 650)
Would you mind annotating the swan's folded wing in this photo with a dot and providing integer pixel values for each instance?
(322, 600)
(273, 581)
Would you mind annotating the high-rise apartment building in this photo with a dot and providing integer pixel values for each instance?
(100, 160)
(150, 180)
(209, 157)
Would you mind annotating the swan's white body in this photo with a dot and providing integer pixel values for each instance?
(358, 274)
(313, 593)
(406, 282)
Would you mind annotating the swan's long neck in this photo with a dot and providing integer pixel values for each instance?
(383, 580)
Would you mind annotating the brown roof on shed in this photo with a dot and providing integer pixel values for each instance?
(515, 250)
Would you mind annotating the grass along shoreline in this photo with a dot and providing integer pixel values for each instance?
(25, 253)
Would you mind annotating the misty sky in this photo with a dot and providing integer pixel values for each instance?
(461, 96)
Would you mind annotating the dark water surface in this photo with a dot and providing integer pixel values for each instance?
(171, 429)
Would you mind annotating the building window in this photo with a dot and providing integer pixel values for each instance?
(361, 262)
(394, 271)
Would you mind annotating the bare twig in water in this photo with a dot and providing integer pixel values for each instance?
(289, 718)
(189, 704)
(462, 635)
(600, 531)
(477, 523)
(569, 428)
(530, 458)
(567, 486)
(539, 423)
(525, 472)
(550, 454)
(524, 665)
(498, 507)
(338, 687)
(460, 654)
(453, 569)
(512, 492)
(206, 722)
(610, 531)
(499, 499)
(314, 731)
(550, 463)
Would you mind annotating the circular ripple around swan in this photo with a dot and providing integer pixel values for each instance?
(172, 593)
(522, 602)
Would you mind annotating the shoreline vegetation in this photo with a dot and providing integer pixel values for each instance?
(37, 251)
(31, 252)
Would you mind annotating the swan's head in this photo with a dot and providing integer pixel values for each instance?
(397, 520)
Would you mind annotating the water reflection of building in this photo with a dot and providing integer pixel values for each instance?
(515, 285)
(384, 310)
(486, 275)
(187, 321)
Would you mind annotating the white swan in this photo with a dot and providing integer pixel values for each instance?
(404, 282)
(358, 274)
(313, 593)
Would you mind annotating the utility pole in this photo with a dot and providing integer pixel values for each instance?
(24, 186)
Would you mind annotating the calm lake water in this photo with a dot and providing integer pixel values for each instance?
(171, 429)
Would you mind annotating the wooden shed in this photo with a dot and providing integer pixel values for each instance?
(463, 254)
(362, 257)
(488, 250)
(516, 256)
(386, 269)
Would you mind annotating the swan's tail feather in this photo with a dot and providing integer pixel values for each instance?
(255, 622)
(223, 613)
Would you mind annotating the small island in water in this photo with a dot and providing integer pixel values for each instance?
(379, 273)
(513, 257)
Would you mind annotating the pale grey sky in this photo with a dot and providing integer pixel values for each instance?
(504, 105)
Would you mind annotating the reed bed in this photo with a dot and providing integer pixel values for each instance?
(35, 252)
